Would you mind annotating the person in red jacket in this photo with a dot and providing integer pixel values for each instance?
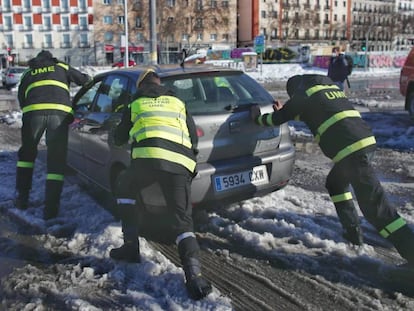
(347, 139)
(163, 153)
(44, 98)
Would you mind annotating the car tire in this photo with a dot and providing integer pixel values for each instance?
(410, 103)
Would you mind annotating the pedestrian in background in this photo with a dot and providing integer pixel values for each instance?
(338, 69)
(163, 152)
(44, 98)
(348, 140)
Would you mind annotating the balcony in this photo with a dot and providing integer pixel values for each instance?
(74, 10)
(17, 9)
(84, 44)
(65, 45)
(27, 45)
(55, 9)
(27, 9)
(47, 45)
(27, 27)
(6, 9)
(37, 9)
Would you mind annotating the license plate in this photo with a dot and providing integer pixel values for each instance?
(255, 176)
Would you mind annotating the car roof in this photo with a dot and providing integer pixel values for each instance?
(165, 71)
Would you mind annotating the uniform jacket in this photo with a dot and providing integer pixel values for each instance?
(335, 124)
(45, 85)
(338, 68)
(144, 141)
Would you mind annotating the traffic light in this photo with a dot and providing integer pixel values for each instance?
(363, 47)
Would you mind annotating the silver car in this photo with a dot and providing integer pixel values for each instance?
(237, 159)
(12, 76)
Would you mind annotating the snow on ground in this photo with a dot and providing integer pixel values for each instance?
(285, 223)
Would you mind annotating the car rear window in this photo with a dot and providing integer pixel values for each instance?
(211, 94)
(17, 70)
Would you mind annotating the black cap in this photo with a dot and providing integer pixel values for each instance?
(294, 84)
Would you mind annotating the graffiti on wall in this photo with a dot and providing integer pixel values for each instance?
(374, 60)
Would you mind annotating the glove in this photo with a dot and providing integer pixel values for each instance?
(198, 288)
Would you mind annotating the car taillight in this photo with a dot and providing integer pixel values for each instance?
(200, 132)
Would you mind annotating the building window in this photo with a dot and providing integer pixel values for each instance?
(6, 4)
(107, 2)
(199, 5)
(8, 22)
(64, 4)
(27, 22)
(27, 4)
(184, 37)
(138, 22)
(47, 21)
(121, 19)
(46, 4)
(225, 4)
(65, 40)
(171, 3)
(107, 19)
(47, 41)
(108, 36)
(82, 5)
(28, 41)
(140, 37)
(83, 39)
(225, 37)
(213, 37)
(83, 22)
(9, 40)
(65, 22)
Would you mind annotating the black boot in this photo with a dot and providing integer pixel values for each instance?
(197, 286)
(50, 212)
(349, 219)
(128, 252)
(22, 200)
(354, 235)
(403, 241)
(52, 198)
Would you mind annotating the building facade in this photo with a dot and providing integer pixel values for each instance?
(93, 31)
(63, 26)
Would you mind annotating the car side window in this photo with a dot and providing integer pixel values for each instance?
(113, 94)
(84, 102)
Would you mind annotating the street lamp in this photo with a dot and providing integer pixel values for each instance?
(126, 53)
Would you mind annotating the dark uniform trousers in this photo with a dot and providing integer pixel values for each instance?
(356, 170)
(55, 128)
(175, 189)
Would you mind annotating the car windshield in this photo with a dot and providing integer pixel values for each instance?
(210, 94)
(17, 70)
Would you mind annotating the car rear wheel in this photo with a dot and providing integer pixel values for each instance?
(410, 104)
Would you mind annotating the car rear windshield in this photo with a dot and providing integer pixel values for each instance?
(212, 94)
(17, 70)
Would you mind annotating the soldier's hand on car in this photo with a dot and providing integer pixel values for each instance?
(255, 112)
